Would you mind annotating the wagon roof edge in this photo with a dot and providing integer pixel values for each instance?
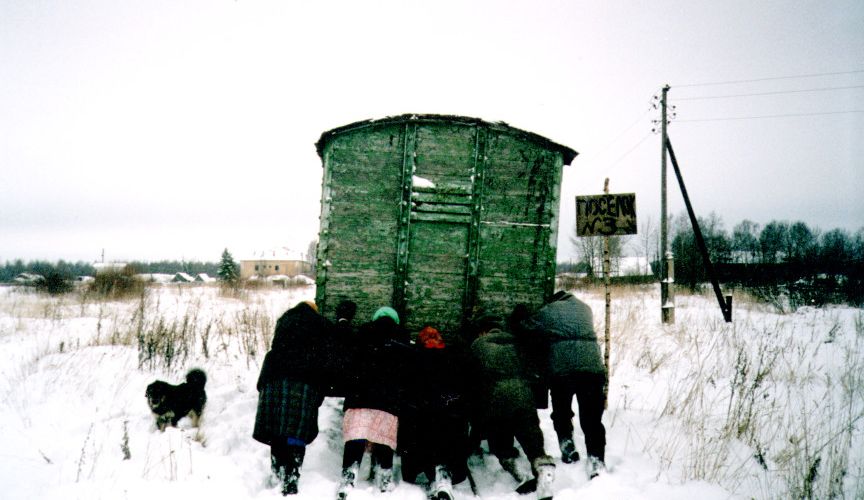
(568, 153)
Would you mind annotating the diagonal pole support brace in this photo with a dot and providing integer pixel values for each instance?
(725, 303)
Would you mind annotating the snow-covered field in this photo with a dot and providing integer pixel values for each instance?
(769, 406)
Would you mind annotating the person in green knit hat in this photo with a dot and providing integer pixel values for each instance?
(372, 398)
(388, 312)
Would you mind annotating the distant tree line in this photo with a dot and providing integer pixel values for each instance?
(815, 266)
(175, 266)
(821, 266)
(11, 269)
(793, 245)
(71, 270)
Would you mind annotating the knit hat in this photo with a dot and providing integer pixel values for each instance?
(386, 311)
(346, 310)
(559, 295)
(519, 314)
(431, 338)
(488, 322)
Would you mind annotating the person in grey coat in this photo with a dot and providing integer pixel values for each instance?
(564, 327)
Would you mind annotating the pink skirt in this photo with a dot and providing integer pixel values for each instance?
(375, 426)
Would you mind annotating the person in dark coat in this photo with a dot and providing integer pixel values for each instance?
(345, 312)
(535, 354)
(505, 404)
(372, 399)
(341, 343)
(433, 423)
(290, 391)
(574, 367)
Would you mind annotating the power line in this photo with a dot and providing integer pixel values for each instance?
(778, 92)
(652, 106)
(635, 122)
(809, 75)
(600, 152)
(772, 116)
(625, 155)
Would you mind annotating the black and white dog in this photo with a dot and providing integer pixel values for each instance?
(170, 403)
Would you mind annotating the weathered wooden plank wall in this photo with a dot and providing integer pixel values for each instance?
(360, 211)
(520, 199)
(437, 216)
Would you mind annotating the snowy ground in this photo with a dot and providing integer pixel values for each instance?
(769, 406)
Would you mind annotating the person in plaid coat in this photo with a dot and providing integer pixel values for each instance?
(291, 388)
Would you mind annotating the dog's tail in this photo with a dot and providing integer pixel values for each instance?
(196, 378)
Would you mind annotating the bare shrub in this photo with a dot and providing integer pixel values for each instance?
(170, 338)
(124, 444)
(117, 284)
(167, 342)
(55, 283)
(254, 329)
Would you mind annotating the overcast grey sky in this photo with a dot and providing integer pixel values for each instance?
(172, 130)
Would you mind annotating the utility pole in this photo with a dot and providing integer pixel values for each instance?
(667, 265)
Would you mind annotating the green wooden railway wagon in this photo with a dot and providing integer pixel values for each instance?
(437, 216)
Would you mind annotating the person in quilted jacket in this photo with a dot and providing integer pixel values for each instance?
(574, 366)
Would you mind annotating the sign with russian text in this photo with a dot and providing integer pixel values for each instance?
(606, 215)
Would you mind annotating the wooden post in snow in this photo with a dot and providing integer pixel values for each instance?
(606, 279)
(606, 215)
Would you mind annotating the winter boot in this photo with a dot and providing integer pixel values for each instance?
(529, 486)
(349, 475)
(595, 466)
(544, 470)
(568, 451)
(278, 469)
(525, 486)
(292, 471)
(289, 482)
(384, 479)
(509, 465)
(442, 487)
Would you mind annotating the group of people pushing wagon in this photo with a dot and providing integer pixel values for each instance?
(433, 401)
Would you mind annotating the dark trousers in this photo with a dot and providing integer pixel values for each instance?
(524, 426)
(429, 440)
(382, 455)
(588, 389)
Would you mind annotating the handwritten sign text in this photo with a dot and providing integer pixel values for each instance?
(606, 215)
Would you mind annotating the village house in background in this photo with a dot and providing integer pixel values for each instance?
(631, 266)
(620, 267)
(109, 267)
(276, 262)
(28, 279)
(182, 277)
